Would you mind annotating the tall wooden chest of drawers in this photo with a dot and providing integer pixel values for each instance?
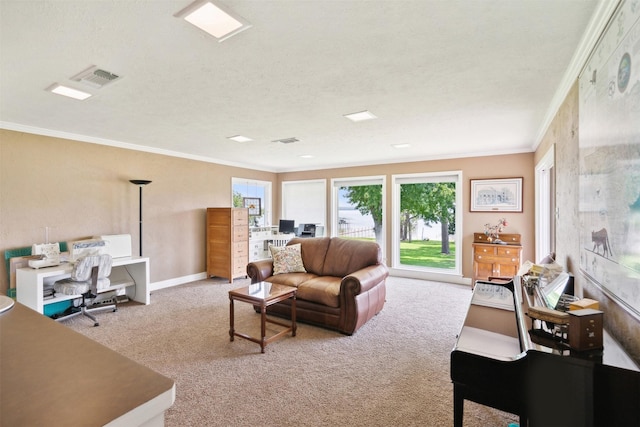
(496, 260)
(227, 242)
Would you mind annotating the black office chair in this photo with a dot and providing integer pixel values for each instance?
(89, 274)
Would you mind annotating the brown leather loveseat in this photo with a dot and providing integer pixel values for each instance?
(343, 286)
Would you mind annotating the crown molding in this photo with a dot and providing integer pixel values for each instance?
(597, 24)
(118, 144)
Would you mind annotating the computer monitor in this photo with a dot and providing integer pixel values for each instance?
(286, 226)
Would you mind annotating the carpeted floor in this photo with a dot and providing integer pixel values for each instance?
(394, 371)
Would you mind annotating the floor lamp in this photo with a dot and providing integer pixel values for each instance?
(141, 183)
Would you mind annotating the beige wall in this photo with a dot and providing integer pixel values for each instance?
(515, 165)
(562, 136)
(80, 189)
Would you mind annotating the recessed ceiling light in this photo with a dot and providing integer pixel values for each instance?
(213, 19)
(69, 92)
(239, 138)
(360, 116)
(306, 156)
(401, 145)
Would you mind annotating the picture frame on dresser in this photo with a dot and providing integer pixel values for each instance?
(496, 195)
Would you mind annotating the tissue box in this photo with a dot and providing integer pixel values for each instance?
(583, 303)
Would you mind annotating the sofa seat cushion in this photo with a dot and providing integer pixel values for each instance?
(322, 289)
(291, 279)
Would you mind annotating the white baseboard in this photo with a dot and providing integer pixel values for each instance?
(177, 281)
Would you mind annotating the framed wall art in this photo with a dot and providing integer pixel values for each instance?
(254, 205)
(496, 195)
(609, 162)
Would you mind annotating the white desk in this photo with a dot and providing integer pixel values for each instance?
(30, 282)
(261, 237)
(52, 375)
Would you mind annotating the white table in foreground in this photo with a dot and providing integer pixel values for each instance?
(53, 375)
(30, 282)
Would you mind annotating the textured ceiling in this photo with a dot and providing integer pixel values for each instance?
(450, 78)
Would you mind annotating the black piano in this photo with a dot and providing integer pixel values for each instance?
(502, 360)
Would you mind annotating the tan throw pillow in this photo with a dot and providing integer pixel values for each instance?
(287, 259)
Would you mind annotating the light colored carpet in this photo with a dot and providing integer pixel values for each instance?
(394, 371)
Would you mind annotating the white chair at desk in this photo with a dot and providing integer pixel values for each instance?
(89, 275)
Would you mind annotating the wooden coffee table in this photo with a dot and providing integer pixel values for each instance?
(263, 294)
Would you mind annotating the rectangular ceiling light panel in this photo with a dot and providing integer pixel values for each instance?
(213, 19)
(68, 92)
(239, 138)
(360, 116)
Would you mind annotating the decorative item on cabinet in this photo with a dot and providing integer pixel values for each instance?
(493, 231)
(496, 260)
(227, 242)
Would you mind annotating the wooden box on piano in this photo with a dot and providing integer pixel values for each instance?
(585, 329)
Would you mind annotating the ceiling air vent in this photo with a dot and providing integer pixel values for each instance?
(287, 140)
(95, 77)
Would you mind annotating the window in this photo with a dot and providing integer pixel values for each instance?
(358, 208)
(427, 224)
(545, 205)
(305, 202)
(257, 196)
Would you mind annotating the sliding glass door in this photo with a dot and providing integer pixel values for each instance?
(426, 222)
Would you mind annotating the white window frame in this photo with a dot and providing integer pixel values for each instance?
(453, 276)
(268, 195)
(311, 192)
(543, 214)
(336, 183)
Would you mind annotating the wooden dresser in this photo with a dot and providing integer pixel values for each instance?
(227, 242)
(496, 260)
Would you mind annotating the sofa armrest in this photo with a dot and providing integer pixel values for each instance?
(364, 279)
(260, 270)
(362, 296)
